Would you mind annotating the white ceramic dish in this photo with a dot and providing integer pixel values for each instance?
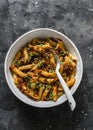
(21, 41)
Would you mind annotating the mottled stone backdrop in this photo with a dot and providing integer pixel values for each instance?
(71, 17)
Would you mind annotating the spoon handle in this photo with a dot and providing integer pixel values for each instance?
(71, 100)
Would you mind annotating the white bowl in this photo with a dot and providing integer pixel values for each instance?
(21, 41)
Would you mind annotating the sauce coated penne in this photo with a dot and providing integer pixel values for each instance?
(33, 69)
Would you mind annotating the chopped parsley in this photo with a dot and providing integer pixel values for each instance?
(40, 42)
(33, 85)
(29, 85)
(39, 64)
(61, 62)
(52, 95)
(51, 70)
(63, 53)
(17, 63)
(48, 86)
(61, 93)
(38, 84)
(31, 54)
(28, 79)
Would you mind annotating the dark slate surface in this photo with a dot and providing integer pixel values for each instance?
(71, 17)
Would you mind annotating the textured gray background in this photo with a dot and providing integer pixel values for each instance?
(71, 17)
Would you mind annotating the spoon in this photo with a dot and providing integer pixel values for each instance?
(70, 98)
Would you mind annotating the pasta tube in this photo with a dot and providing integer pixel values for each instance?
(17, 71)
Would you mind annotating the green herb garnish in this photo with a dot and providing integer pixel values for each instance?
(48, 86)
(29, 85)
(39, 64)
(17, 63)
(33, 85)
(51, 70)
(52, 95)
(63, 53)
(40, 42)
(28, 79)
(31, 54)
(38, 84)
(61, 93)
(61, 62)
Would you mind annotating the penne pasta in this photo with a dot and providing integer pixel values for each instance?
(46, 74)
(46, 80)
(60, 46)
(18, 56)
(25, 55)
(34, 69)
(26, 67)
(54, 92)
(37, 48)
(71, 82)
(31, 94)
(23, 87)
(40, 92)
(17, 71)
(52, 59)
(45, 93)
(15, 78)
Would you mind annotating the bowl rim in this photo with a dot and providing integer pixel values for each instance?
(20, 37)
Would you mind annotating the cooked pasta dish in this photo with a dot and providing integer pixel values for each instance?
(33, 69)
